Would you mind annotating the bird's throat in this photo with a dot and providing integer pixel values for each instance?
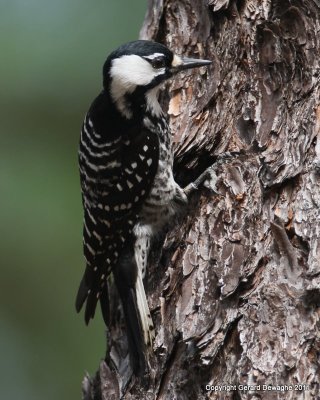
(131, 103)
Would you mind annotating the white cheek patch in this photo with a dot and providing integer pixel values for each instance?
(131, 71)
(128, 72)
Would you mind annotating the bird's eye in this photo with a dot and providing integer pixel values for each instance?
(158, 63)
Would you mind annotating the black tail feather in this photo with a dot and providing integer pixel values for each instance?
(93, 287)
(125, 275)
(134, 333)
(91, 305)
(81, 295)
(104, 304)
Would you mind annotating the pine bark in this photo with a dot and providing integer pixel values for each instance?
(234, 287)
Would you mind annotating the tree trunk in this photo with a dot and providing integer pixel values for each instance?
(235, 295)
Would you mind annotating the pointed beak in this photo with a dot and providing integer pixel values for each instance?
(181, 63)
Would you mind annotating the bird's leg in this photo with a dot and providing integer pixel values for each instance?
(209, 177)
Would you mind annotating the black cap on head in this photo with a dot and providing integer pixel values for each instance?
(142, 48)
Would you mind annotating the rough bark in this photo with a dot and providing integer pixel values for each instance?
(235, 295)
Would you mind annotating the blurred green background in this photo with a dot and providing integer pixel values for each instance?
(52, 54)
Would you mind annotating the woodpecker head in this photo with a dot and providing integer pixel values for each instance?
(136, 69)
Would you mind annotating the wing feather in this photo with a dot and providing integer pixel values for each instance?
(116, 176)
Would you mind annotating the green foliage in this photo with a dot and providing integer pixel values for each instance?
(51, 61)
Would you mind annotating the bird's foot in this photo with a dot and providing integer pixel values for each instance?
(209, 178)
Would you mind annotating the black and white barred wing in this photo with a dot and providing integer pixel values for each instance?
(116, 177)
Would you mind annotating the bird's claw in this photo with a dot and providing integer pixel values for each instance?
(209, 177)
